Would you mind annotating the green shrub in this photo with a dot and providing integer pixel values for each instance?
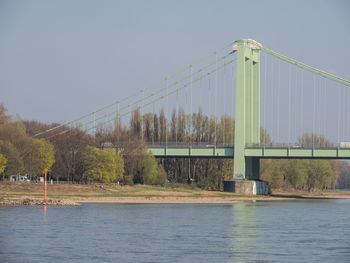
(152, 173)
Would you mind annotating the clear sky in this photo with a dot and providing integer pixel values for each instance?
(61, 59)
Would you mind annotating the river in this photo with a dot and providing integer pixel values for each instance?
(288, 231)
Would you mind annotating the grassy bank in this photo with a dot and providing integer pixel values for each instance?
(146, 193)
(15, 189)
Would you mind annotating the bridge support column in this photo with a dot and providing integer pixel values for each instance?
(249, 187)
(247, 123)
(252, 168)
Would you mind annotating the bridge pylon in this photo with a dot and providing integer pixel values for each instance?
(247, 123)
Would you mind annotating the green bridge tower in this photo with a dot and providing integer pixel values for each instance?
(247, 124)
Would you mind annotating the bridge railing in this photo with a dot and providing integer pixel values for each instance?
(189, 144)
(296, 146)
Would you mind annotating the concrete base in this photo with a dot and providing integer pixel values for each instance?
(250, 187)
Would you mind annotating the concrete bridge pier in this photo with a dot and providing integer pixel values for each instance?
(247, 187)
(251, 184)
(252, 167)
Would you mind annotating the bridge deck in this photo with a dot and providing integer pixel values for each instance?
(193, 152)
(268, 153)
(301, 153)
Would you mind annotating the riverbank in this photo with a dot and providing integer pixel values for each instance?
(70, 194)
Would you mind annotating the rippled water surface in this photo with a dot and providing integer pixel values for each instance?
(299, 231)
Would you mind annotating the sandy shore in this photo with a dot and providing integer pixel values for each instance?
(25, 200)
(202, 200)
(135, 200)
(171, 200)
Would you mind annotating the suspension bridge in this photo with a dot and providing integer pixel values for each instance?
(282, 108)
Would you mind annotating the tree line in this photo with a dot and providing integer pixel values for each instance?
(20, 153)
(119, 153)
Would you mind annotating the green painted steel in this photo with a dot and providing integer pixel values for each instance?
(192, 152)
(252, 155)
(309, 68)
(298, 153)
(247, 123)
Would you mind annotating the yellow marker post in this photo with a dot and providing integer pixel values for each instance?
(45, 184)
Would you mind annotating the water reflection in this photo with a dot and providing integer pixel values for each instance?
(245, 231)
(44, 214)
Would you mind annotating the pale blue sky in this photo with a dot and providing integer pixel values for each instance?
(61, 59)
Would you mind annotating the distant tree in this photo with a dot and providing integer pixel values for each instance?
(226, 130)
(319, 175)
(344, 175)
(210, 175)
(3, 162)
(272, 172)
(119, 166)
(335, 173)
(152, 173)
(227, 169)
(156, 129)
(47, 153)
(14, 161)
(148, 127)
(35, 127)
(101, 165)
(37, 154)
(181, 125)
(310, 140)
(163, 122)
(135, 122)
(102, 135)
(296, 173)
(12, 132)
(197, 120)
(265, 138)
(211, 130)
(69, 148)
(175, 168)
(173, 126)
(189, 128)
(4, 118)
(133, 150)
(115, 138)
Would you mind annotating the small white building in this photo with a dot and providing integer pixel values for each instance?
(19, 178)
